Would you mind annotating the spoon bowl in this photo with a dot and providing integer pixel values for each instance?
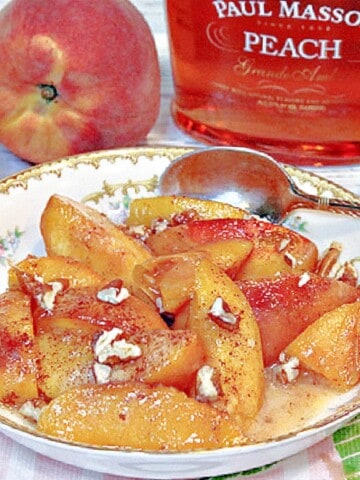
(245, 178)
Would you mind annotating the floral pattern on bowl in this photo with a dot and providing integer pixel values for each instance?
(9, 244)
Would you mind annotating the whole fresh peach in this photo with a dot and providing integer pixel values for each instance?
(75, 76)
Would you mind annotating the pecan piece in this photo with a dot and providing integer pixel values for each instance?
(328, 265)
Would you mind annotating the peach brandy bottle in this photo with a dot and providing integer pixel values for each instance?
(281, 76)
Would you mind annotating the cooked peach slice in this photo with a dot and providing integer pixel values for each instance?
(223, 319)
(17, 351)
(166, 281)
(286, 305)
(330, 346)
(137, 416)
(102, 307)
(229, 254)
(171, 277)
(144, 211)
(70, 228)
(165, 356)
(66, 356)
(53, 268)
(75, 352)
(276, 249)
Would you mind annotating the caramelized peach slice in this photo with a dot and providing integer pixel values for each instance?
(17, 351)
(170, 278)
(144, 211)
(131, 314)
(137, 416)
(223, 319)
(73, 229)
(75, 352)
(286, 305)
(330, 346)
(66, 355)
(166, 281)
(54, 268)
(276, 248)
(167, 357)
(229, 254)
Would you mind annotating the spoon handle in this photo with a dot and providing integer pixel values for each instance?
(335, 205)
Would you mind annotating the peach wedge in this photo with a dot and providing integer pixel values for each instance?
(330, 346)
(144, 211)
(137, 416)
(232, 341)
(73, 229)
(17, 349)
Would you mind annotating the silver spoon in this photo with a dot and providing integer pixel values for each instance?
(245, 178)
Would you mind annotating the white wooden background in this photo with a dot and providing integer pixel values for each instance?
(154, 12)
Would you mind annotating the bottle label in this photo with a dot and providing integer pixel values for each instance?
(287, 55)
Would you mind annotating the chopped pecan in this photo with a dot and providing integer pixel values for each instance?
(328, 265)
(221, 314)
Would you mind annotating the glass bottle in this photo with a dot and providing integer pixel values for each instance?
(281, 76)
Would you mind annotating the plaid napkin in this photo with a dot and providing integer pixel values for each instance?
(347, 443)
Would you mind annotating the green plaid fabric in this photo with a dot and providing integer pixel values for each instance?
(347, 443)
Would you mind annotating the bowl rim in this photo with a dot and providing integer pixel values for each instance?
(21, 180)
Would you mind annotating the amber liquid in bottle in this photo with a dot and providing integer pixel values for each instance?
(281, 76)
